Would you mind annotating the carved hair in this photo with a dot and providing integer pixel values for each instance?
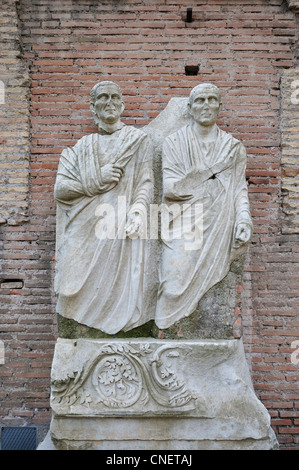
(93, 91)
(201, 86)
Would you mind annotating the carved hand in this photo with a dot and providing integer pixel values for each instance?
(176, 192)
(242, 234)
(111, 173)
(134, 227)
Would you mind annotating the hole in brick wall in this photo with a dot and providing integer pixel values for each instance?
(189, 15)
(18, 438)
(11, 283)
(191, 69)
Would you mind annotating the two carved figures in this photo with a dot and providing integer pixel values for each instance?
(105, 224)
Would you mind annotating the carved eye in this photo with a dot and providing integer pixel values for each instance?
(102, 97)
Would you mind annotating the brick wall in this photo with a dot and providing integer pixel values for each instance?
(14, 120)
(245, 48)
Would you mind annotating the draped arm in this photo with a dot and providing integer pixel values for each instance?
(78, 173)
(242, 209)
(143, 190)
(175, 177)
(68, 185)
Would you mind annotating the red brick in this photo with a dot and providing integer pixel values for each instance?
(241, 47)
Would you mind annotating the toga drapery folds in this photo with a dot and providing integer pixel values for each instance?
(213, 175)
(99, 271)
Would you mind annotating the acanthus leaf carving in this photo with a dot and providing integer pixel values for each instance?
(120, 375)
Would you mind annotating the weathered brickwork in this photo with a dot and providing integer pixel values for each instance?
(247, 48)
(14, 120)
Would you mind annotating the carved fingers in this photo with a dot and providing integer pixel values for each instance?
(242, 234)
(134, 227)
(111, 173)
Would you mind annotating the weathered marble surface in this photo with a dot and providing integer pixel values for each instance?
(103, 190)
(223, 296)
(193, 393)
(204, 181)
(218, 313)
(123, 382)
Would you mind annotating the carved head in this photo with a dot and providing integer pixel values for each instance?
(205, 103)
(106, 102)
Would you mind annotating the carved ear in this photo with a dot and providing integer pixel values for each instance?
(220, 109)
(92, 109)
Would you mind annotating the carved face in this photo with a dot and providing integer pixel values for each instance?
(108, 104)
(205, 105)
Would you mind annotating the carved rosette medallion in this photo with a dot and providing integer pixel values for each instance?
(121, 375)
(117, 380)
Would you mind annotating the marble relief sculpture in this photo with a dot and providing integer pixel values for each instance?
(103, 189)
(176, 384)
(203, 173)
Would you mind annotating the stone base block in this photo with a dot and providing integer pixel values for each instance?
(144, 393)
(147, 434)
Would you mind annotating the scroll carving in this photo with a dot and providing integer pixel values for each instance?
(122, 375)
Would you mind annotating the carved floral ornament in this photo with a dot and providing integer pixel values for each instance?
(122, 375)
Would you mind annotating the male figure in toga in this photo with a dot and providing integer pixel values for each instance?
(103, 189)
(203, 168)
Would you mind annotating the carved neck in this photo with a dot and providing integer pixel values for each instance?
(106, 128)
(205, 133)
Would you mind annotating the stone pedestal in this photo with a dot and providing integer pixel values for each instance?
(145, 393)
